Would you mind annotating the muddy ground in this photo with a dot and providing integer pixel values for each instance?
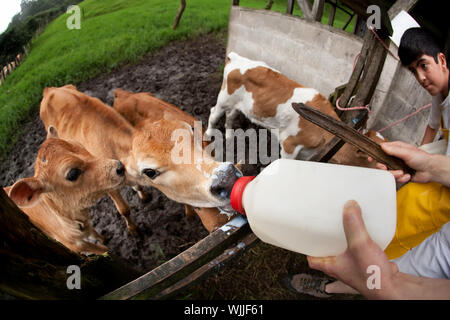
(188, 75)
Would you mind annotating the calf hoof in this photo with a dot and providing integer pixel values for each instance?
(144, 196)
(132, 229)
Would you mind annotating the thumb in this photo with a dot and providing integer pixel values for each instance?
(354, 227)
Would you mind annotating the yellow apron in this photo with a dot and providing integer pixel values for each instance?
(422, 208)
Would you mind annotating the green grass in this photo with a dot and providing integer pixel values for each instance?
(113, 32)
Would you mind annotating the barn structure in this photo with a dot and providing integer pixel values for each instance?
(315, 55)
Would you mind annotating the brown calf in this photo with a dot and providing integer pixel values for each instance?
(67, 181)
(136, 107)
(145, 151)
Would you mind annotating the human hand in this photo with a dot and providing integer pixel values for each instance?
(351, 267)
(413, 157)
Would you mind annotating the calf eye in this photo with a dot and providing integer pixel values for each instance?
(151, 173)
(73, 174)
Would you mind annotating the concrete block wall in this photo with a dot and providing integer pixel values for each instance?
(313, 54)
(322, 57)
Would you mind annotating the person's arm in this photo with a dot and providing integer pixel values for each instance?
(429, 167)
(351, 267)
(429, 135)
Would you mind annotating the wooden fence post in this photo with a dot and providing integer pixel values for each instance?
(311, 12)
(333, 4)
(35, 266)
(290, 7)
(179, 14)
(269, 5)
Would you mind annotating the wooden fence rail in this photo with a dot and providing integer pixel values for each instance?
(9, 68)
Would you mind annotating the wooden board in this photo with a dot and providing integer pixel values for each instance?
(152, 283)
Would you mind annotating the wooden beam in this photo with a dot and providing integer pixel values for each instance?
(204, 271)
(178, 268)
(372, 72)
(368, 44)
(317, 10)
(327, 152)
(360, 8)
(269, 5)
(179, 14)
(290, 7)
(400, 5)
(332, 12)
(34, 266)
(306, 9)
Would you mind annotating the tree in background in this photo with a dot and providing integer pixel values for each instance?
(33, 17)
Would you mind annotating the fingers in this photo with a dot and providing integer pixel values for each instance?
(354, 227)
(403, 178)
(398, 149)
(355, 233)
(321, 263)
(381, 166)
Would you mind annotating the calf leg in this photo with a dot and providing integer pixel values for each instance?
(229, 122)
(86, 247)
(124, 209)
(216, 113)
(92, 234)
(211, 218)
(189, 210)
(144, 196)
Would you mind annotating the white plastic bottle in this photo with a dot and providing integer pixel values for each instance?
(297, 205)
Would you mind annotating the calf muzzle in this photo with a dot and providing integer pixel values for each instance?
(223, 179)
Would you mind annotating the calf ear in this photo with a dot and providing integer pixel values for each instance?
(70, 86)
(26, 192)
(120, 92)
(169, 116)
(52, 133)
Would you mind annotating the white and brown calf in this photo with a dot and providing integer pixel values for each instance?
(265, 97)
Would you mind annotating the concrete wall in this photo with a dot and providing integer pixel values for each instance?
(310, 53)
(322, 57)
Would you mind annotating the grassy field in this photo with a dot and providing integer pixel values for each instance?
(113, 32)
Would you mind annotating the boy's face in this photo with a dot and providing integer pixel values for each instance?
(431, 75)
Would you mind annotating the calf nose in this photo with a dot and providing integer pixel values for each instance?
(223, 179)
(120, 169)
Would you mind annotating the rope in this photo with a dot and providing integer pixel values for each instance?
(366, 107)
(382, 43)
(404, 118)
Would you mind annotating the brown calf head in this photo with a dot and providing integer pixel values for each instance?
(136, 107)
(68, 175)
(165, 156)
